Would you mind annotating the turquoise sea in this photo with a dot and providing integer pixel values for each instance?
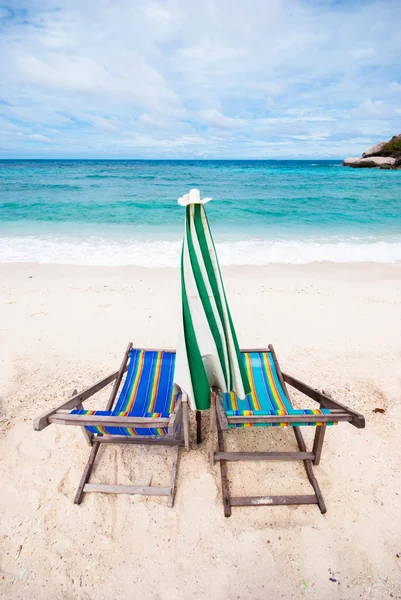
(106, 212)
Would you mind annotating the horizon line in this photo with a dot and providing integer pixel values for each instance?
(169, 159)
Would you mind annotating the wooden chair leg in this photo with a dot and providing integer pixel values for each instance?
(225, 490)
(87, 473)
(173, 480)
(145, 490)
(198, 427)
(309, 470)
(318, 443)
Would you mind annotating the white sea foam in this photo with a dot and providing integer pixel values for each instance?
(159, 253)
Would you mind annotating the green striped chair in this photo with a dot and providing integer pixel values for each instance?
(149, 410)
(269, 405)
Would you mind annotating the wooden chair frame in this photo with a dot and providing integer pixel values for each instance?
(177, 436)
(219, 422)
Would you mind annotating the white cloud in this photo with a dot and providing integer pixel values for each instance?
(102, 123)
(38, 137)
(214, 118)
(225, 78)
(375, 109)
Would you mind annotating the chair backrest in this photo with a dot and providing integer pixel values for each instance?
(148, 386)
(267, 393)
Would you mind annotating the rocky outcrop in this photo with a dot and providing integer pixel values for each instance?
(383, 162)
(385, 155)
(375, 150)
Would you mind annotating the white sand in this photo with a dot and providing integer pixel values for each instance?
(337, 327)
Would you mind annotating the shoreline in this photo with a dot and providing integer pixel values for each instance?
(317, 267)
(240, 247)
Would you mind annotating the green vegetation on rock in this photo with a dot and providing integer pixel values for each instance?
(393, 145)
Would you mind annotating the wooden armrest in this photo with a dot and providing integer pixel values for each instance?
(325, 401)
(64, 418)
(43, 421)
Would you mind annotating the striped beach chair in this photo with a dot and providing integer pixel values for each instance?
(269, 405)
(149, 410)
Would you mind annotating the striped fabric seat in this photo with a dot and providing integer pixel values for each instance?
(148, 391)
(267, 396)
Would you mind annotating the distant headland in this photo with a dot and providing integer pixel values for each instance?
(385, 155)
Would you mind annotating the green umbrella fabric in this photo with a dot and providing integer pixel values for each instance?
(207, 353)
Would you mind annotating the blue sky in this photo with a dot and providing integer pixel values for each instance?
(201, 79)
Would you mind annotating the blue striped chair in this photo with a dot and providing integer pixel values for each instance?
(269, 405)
(150, 409)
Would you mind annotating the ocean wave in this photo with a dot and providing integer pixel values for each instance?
(131, 177)
(162, 253)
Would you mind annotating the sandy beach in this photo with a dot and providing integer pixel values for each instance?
(337, 327)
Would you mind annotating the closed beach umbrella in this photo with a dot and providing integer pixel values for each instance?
(207, 353)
